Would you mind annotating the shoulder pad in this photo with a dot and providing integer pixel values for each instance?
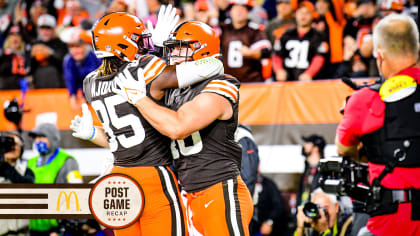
(226, 86)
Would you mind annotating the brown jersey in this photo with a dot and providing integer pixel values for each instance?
(210, 155)
(245, 69)
(133, 141)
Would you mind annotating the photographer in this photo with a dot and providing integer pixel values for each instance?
(13, 170)
(387, 122)
(323, 215)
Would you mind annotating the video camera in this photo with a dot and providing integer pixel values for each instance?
(6, 145)
(343, 176)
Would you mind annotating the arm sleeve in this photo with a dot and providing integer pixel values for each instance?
(316, 65)
(277, 62)
(189, 73)
(69, 74)
(250, 163)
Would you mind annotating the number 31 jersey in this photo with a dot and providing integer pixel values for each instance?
(210, 155)
(133, 141)
(297, 51)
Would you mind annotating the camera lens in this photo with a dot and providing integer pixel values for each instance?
(311, 210)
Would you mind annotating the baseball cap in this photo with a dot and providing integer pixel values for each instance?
(316, 140)
(47, 21)
(201, 5)
(310, 6)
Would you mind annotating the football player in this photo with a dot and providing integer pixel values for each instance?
(201, 119)
(122, 41)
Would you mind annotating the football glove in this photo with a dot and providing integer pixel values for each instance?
(167, 20)
(128, 87)
(83, 126)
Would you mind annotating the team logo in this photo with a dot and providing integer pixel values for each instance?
(116, 201)
(397, 88)
(67, 199)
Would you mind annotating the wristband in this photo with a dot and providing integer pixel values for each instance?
(93, 134)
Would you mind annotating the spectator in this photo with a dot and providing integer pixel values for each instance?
(6, 16)
(313, 150)
(118, 5)
(72, 15)
(205, 13)
(270, 209)
(330, 221)
(243, 44)
(13, 60)
(331, 23)
(153, 6)
(302, 50)
(95, 9)
(250, 158)
(14, 170)
(47, 55)
(78, 63)
(285, 20)
(51, 165)
(28, 25)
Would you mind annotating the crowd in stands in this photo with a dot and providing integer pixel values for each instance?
(46, 43)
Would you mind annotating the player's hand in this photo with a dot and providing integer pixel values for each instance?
(83, 126)
(167, 19)
(130, 88)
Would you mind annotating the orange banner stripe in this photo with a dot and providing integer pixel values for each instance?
(259, 104)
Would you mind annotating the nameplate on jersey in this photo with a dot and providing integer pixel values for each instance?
(397, 88)
(102, 88)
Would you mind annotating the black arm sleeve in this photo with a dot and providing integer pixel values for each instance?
(8, 172)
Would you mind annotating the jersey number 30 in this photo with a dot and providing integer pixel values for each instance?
(196, 147)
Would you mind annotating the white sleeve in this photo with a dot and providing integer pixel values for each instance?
(191, 72)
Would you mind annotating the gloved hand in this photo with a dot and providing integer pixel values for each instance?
(128, 87)
(167, 20)
(83, 126)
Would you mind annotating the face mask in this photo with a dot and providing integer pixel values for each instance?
(41, 147)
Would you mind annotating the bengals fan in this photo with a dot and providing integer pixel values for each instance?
(122, 41)
(202, 120)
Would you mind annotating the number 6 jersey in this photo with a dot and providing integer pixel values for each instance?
(133, 141)
(210, 155)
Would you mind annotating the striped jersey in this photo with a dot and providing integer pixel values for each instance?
(132, 140)
(210, 155)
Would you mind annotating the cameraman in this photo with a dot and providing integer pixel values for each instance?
(387, 122)
(325, 219)
(14, 170)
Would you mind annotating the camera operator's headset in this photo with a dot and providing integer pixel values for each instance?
(22, 145)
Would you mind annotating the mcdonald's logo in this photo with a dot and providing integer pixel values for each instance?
(68, 198)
